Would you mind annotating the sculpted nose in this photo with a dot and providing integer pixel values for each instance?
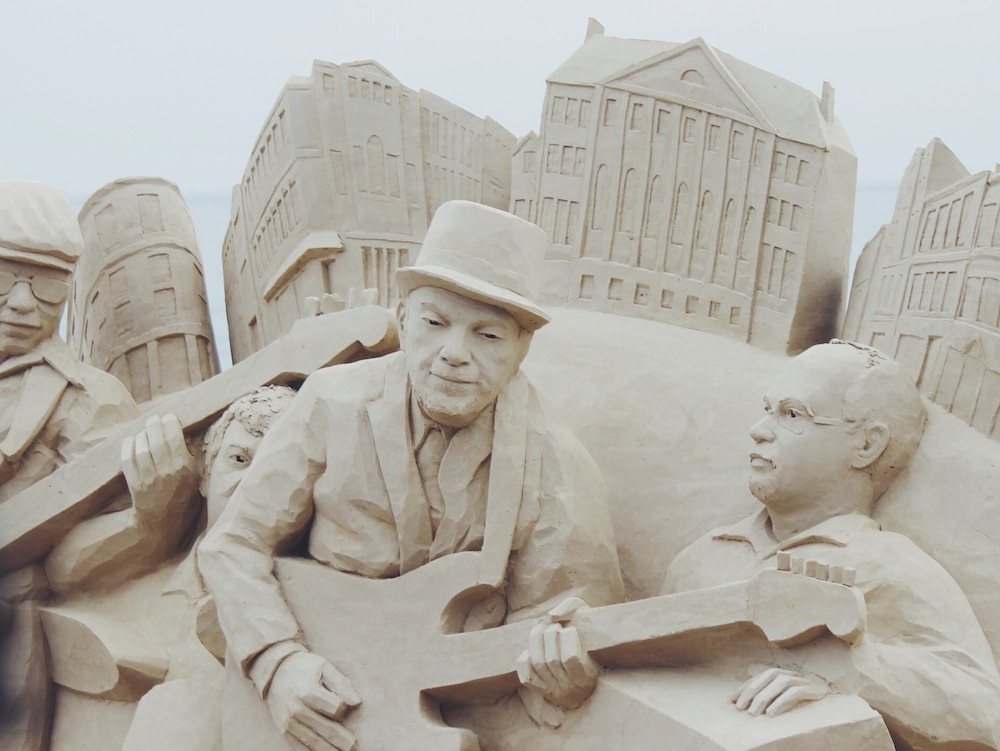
(762, 432)
(21, 298)
(455, 350)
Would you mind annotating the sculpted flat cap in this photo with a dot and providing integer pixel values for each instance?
(484, 254)
(38, 225)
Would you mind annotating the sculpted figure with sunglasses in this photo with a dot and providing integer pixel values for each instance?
(840, 423)
(52, 407)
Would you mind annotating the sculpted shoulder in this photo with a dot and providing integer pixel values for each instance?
(354, 383)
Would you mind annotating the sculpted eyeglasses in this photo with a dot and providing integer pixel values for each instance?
(792, 415)
(45, 289)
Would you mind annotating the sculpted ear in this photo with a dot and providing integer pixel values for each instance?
(876, 439)
(400, 320)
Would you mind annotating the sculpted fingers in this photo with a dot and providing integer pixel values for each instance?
(580, 667)
(156, 441)
(317, 733)
(749, 689)
(775, 691)
(129, 469)
(335, 681)
(333, 697)
(144, 459)
(556, 664)
(807, 688)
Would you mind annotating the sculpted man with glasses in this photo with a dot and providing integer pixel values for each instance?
(840, 423)
(52, 407)
(386, 465)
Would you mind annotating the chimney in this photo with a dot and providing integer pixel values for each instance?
(593, 27)
(826, 102)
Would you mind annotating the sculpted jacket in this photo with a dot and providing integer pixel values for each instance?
(923, 662)
(338, 473)
(52, 408)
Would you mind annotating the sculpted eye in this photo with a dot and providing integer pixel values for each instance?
(240, 458)
(432, 321)
(490, 335)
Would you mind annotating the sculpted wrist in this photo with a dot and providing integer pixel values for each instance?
(264, 665)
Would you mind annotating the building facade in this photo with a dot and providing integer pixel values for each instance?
(679, 184)
(138, 306)
(926, 288)
(340, 187)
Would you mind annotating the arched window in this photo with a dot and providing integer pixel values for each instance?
(628, 209)
(727, 243)
(706, 221)
(682, 215)
(654, 209)
(600, 198)
(746, 240)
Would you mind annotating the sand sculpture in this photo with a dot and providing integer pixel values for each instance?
(927, 287)
(680, 184)
(139, 308)
(54, 408)
(421, 556)
(346, 172)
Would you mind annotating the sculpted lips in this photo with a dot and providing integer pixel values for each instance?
(451, 379)
(19, 326)
(756, 460)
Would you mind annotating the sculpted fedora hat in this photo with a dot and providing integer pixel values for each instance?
(484, 254)
(38, 225)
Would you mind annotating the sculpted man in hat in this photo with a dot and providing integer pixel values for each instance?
(52, 407)
(387, 464)
(840, 423)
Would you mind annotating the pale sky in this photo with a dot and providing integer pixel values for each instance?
(94, 91)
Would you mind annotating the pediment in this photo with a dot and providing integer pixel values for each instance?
(693, 73)
(370, 66)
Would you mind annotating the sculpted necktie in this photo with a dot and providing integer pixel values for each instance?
(430, 452)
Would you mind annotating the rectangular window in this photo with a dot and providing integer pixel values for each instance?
(568, 158)
(573, 112)
(662, 122)
(713, 137)
(609, 111)
(552, 159)
(689, 130)
(635, 122)
(558, 114)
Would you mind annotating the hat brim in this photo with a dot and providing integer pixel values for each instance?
(525, 312)
(36, 259)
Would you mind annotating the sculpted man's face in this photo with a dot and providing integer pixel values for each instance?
(228, 467)
(803, 447)
(31, 300)
(460, 353)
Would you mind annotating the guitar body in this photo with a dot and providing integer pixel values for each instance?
(399, 642)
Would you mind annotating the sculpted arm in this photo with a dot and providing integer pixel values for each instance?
(924, 662)
(162, 479)
(268, 514)
(569, 560)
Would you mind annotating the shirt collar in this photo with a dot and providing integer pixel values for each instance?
(52, 351)
(421, 424)
(756, 530)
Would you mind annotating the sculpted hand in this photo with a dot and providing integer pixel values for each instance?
(308, 697)
(555, 663)
(160, 471)
(775, 691)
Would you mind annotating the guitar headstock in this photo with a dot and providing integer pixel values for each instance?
(803, 598)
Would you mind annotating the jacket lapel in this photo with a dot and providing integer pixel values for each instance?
(506, 486)
(390, 430)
